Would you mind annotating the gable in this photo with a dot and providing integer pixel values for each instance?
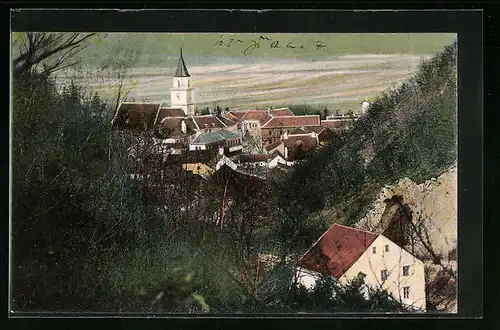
(135, 116)
(336, 250)
(256, 115)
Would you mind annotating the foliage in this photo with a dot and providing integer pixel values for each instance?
(328, 295)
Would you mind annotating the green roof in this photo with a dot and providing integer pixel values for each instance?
(211, 137)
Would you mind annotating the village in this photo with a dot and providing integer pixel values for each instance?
(245, 140)
(253, 144)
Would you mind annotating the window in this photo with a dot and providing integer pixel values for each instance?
(387, 248)
(178, 83)
(383, 275)
(406, 292)
(406, 270)
(374, 249)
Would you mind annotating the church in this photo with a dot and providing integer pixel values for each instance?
(182, 94)
(177, 127)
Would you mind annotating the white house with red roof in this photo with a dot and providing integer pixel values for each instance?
(345, 253)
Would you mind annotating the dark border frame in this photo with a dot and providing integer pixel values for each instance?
(468, 25)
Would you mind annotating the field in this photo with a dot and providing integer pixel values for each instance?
(348, 69)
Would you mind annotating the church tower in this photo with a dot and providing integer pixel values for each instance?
(181, 94)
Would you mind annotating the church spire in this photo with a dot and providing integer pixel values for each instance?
(181, 70)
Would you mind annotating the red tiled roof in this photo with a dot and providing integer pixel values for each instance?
(282, 112)
(293, 121)
(305, 141)
(226, 121)
(315, 129)
(236, 114)
(297, 130)
(135, 116)
(207, 122)
(327, 134)
(260, 115)
(172, 127)
(336, 250)
(273, 145)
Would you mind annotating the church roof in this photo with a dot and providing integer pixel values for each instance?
(135, 116)
(181, 70)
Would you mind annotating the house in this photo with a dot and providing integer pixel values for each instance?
(281, 112)
(277, 159)
(340, 122)
(207, 123)
(297, 146)
(200, 169)
(277, 145)
(252, 121)
(135, 117)
(345, 253)
(327, 135)
(270, 160)
(277, 126)
(222, 140)
(226, 161)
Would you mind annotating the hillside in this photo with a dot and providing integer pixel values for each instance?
(393, 173)
(408, 133)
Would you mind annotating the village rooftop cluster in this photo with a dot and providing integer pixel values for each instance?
(245, 139)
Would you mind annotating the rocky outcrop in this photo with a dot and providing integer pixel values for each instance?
(422, 217)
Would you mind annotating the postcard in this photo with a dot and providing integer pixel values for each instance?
(209, 173)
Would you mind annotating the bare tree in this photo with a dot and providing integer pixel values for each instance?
(54, 51)
(117, 67)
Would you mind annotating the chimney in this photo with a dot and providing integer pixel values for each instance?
(183, 127)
